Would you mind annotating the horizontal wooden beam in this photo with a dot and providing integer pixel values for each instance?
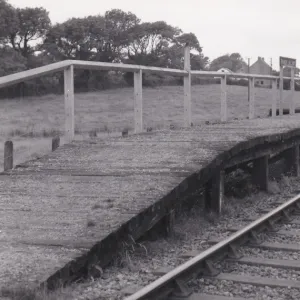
(33, 73)
(237, 75)
(266, 149)
(91, 65)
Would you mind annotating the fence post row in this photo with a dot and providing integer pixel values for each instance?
(69, 103)
(223, 99)
(187, 88)
(138, 101)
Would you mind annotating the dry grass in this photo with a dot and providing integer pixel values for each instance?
(112, 110)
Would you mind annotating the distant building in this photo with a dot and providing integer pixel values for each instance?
(224, 70)
(262, 68)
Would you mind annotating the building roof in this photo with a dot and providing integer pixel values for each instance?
(260, 60)
(224, 70)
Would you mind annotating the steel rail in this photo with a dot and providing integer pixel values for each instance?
(171, 277)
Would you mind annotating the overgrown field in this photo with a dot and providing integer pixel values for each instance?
(30, 122)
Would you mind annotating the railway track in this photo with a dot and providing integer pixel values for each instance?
(258, 261)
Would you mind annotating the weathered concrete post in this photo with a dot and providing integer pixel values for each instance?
(274, 97)
(187, 88)
(281, 92)
(214, 192)
(223, 99)
(69, 103)
(8, 155)
(138, 101)
(55, 143)
(291, 157)
(260, 172)
(252, 99)
(292, 104)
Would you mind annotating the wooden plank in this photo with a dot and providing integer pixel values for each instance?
(258, 281)
(278, 247)
(69, 103)
(92, 65)
(8, 155)
(281, 91)
(237, 75)
(290, 232)
(252, 99)
(275, 263)
(33, 73)
(260, 172)
(187, 89)
(223, 99)
(200, 296)
(292, 103)
(274, 97)
(138, 102)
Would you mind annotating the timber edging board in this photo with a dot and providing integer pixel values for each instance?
(103, 251)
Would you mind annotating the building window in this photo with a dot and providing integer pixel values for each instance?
(261, 82)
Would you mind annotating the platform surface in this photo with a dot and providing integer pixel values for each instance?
(55, 209)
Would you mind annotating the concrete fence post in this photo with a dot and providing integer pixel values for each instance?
(187, 88)
(292, 103)
(274, 97)
(281, 92)
(138, 101)
(69, 103)
(8, 155)
(55, 143)
(223, 99)
(252, 99)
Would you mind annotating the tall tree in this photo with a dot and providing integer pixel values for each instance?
(233, 61)
(33, 24)
(8, 21)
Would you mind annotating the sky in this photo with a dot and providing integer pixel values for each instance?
(266, 28)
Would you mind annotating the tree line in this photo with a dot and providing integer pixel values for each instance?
(28, 40)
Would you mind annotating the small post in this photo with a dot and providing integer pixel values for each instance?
(214, 192)
(69, 103)
(260, 172)
(187, 88)
(223, 99)
(292, 103)
(252, 98)
(138, 101)
(168, 223)
(281, 92)
(274, 97)
(291, 157)
(55, 143)
(8, 155)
